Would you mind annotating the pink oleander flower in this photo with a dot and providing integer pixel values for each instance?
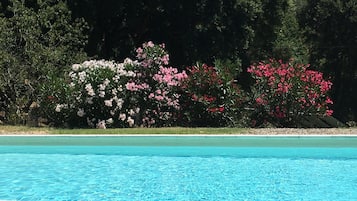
(159, 98)
(329, 112)
(329, 101)
(150, 44)
(139, 50)
(165, 59)
(132, 86)
(151, 95)
(181, 76)
(260, 101)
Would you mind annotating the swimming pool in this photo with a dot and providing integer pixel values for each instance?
(178, 168)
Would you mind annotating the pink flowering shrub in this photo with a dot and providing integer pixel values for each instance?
(210, 99)
(283, 92)
(160, 101)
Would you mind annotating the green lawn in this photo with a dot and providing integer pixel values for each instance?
(167, 130)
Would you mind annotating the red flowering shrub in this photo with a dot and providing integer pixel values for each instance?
(210, 99)
(283, 92)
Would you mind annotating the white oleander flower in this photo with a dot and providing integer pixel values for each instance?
(82, 76)
(122, 116)
(120, 88)
(116, 78)
(90, 90)
(101, 125)
(114, 92)
(89, 100)
(58, 108)
(101, 87)
(72, 75)
(130, 121)
(81, 112)
(90, 122)
(137, 110)
(119, 102)
(109, 121)
(108, 103)
(131, 112)
(76, 67)
(101, 94)
(106, 82)
(128, 61)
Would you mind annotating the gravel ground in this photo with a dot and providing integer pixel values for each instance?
(309, 131)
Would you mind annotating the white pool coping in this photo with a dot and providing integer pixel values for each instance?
(179, 135)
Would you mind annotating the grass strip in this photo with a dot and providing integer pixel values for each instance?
(166, 130)
(10, 129)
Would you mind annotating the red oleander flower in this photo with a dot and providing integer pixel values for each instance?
(292, 86)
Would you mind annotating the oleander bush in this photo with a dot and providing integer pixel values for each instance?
(160, 101)
(147, 92)
(284, 92)
(212, 98)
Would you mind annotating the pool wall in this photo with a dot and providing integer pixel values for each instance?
(225, 141)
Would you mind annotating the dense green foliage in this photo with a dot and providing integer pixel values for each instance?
(211, 97)
(36, 41)
(198, 30)
(38, 38)
(331, 30)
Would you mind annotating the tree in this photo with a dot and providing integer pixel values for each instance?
(198, 30)
(37, 39)
(289, 42)
(331, 28)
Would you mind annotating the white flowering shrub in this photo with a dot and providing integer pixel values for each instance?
(98, 93)
(133, 93)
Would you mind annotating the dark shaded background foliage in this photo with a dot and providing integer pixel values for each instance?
(320, 32)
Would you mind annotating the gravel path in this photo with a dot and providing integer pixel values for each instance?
(309, 131)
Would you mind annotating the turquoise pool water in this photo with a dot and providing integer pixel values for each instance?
(178, 168)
